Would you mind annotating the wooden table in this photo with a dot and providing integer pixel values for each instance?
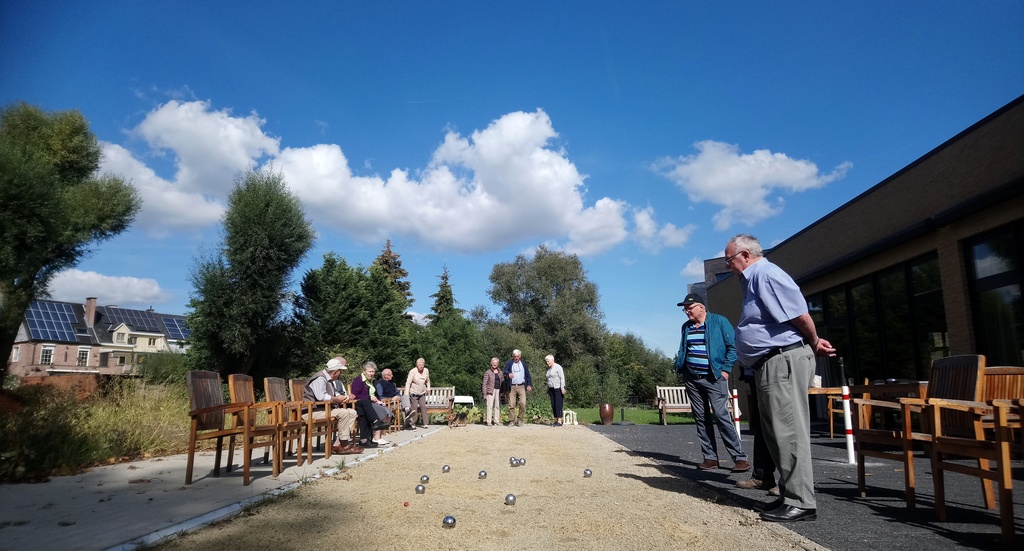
(827, 391)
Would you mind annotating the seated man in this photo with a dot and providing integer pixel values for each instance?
(388, 394)
(367, 402)
(321, 389)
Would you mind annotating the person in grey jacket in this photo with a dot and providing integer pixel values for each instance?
(556, 388)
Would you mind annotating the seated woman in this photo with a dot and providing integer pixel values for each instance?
(366, 401)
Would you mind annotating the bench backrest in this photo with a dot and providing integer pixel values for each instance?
(673, 395)
(1003, 382)
(440, 396)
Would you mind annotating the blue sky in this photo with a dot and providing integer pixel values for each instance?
(639, 135)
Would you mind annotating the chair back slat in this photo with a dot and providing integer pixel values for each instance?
(275, 388)
(296, 387)
(1003, 382)
(204, 391)
(240, 388)
(958, 378)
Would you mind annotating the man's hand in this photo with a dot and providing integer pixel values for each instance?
(824, 348)
(529, 388)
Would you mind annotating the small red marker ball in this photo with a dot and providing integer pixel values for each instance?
(406, 504)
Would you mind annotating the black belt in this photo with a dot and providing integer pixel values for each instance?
(776, 351)
(518, 384)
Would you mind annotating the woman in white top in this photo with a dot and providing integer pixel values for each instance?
(556, 388)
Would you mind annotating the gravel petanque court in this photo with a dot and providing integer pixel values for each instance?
(627, 503)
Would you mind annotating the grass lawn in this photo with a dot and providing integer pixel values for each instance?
(639, 416)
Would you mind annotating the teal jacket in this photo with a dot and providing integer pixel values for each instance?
(721, 341)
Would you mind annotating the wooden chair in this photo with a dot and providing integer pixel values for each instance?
(290, 424)
(954, 377)
(315, 428)
(395, 404)
(208, 411)
(260, 429)
(948, 444)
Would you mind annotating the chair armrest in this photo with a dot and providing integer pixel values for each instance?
(227, 408)
(878, 403)
(979, 408)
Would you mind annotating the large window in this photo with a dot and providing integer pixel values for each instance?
(83, 356)
(15, 353)
(891, 324)
(46, 355)
(996, 279)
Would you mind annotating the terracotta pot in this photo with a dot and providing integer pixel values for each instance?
(607, 413)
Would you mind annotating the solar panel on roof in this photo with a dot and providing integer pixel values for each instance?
(51, 321)
(176, 328)
(138, 320)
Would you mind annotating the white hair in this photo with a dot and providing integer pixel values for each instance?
(517, 352)
(549, 357)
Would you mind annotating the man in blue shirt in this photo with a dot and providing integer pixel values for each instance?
(776, 338)
(519, 375)
(707, 352)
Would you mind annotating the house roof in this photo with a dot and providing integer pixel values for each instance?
(55, 321)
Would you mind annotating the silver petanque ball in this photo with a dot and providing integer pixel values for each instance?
(420, 489)
(446, 469)
(448, 522)
(587, 473)
(510, 499)
(424, 479)
(483, 475)
(522, 461)
(512, 461)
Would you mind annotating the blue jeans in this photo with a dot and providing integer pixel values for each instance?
(703, 392)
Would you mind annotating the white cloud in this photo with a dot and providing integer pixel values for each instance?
(652, 238)
(164, 205)
(504, 185)
(743, 184)
(500, 186)
(129, 292)
(694, 270)
(210, 147)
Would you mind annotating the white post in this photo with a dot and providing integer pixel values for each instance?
(847, 419)
(736, 411)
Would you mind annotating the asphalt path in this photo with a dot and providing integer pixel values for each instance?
(846, 522)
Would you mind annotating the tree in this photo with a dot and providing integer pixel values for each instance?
(240, 289)
(53, 205)
(392, 266)
(444, 301)
(329, 313)
(550, 299)
(386, 338)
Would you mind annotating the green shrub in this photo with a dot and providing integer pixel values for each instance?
(46, 437)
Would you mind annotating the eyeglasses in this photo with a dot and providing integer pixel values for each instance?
(728, 259)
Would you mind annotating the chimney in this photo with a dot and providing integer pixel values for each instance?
(90, 311)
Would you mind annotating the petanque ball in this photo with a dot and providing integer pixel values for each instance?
(587, 473)
(424, 479)
(446, 469)
(420, 489)
(483, 475)
(510, 499)
(448, 522)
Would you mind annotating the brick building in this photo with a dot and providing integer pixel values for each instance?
(927, 263)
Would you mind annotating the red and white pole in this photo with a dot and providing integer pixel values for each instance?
(736, 410)
(848, 420)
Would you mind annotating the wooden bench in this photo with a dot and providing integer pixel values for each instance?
(673, 399)
(440, 399)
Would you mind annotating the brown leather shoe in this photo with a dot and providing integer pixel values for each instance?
(708, 465)
(741, 466)
(751, 484)
(346, 449)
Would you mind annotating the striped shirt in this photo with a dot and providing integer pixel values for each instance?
(697, 351)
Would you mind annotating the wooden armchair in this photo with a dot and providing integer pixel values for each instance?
(954, 377)
(950, 442)
(323, 427)
(208, 412)
(290, 423)
(258, 421)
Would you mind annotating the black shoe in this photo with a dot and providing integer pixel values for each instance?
(381, 425)
(770, 506)
(368, 444)
(788, 513)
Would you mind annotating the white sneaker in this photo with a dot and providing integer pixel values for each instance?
(382, 442)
